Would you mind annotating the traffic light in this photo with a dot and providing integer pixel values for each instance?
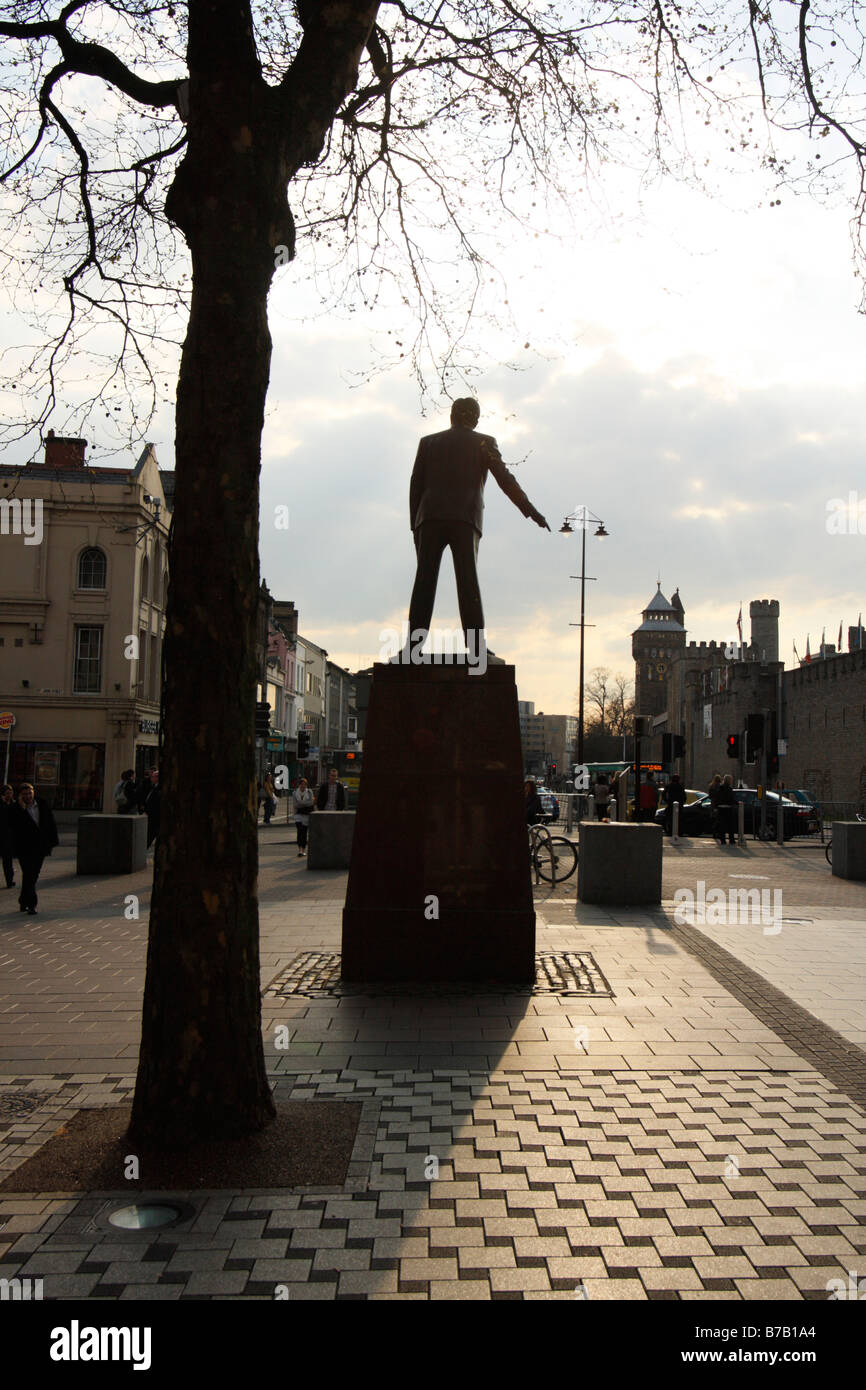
(754, 736)
(679, 746)
(263, 718)
(552, 768)
(667, 748)
(733, 745)
(303, 744)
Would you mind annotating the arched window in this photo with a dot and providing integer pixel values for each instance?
(164, 587)
(92, 569)
(145, 578)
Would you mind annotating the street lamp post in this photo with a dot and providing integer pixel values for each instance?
(582, 516)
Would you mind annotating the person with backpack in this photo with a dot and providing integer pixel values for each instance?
(126, 794)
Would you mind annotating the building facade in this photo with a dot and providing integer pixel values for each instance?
(819, 710)
(82, 614)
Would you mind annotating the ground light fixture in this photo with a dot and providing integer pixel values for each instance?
(141, 1216)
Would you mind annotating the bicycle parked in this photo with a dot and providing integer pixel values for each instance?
(829, 846)
(553, 857)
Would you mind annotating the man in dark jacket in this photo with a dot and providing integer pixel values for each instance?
(673, 792)
(331, 795)
(34, 834)
(150, 805)
(446, 506)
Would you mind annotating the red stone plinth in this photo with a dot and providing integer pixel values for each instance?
(439, 882)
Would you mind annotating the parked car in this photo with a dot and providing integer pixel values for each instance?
(549, 805)
(696, 818)
(804, 798)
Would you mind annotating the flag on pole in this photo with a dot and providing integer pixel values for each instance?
(740, 625)
(808, 656)
(839, 643)
(796, 653)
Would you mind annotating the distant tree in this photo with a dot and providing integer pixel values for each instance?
(596, 698)
(151, 147)
(621, 719)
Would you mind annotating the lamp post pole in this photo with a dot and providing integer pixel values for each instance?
(582, 515)
(582, 612)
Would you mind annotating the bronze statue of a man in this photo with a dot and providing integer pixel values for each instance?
(446, 506)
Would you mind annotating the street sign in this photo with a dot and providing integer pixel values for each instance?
(7, 721)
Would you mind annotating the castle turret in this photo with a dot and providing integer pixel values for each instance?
(764, 613)
(654, 645)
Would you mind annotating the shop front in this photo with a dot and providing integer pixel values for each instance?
(69, 776)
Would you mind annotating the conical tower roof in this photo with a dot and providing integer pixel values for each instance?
(660, 615)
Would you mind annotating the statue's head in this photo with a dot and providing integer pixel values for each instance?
(465, 412)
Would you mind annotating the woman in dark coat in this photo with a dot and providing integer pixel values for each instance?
(34, 834)
(534, 808)
(7, 796)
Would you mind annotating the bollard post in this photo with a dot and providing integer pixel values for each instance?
(675, 823)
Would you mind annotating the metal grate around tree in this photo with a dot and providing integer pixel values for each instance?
(317, 973)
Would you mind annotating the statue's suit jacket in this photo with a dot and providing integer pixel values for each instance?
(448, 479)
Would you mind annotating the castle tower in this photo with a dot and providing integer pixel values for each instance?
(764, 613)
(654, 645)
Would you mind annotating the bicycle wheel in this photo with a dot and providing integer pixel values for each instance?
(560, 862)
(827, 853)
(543, 859)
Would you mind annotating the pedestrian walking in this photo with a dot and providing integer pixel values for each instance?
(126, 794)
(151, 804)
(534, 808)
(649, 798)
(304, 804)
(331, 795)
(34, 835)
(7, 797)
(725, 801)
(673, 793)
(601, 794)
(269, 796)
(713, 794)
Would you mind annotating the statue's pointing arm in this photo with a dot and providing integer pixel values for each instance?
(509, 484)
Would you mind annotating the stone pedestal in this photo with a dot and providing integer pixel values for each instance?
(329, 845)
(439, 884)
(111, 844)
(849, 849)
(620, 863)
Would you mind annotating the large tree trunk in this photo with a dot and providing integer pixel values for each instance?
(201, 1068)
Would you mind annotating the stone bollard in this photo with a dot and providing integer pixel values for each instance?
(111, 844)
(330, 841)
(620, 863)
(849, 849)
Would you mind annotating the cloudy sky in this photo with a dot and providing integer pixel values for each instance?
(694, 376)
(691, 369)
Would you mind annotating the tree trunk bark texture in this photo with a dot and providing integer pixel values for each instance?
(201, 1067)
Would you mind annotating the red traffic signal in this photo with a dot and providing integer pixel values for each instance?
(733, 745)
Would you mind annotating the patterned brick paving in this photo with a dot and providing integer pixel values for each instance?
(621, 1185)
(690, 1136)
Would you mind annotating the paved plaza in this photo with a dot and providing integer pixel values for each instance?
(684, 1120)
